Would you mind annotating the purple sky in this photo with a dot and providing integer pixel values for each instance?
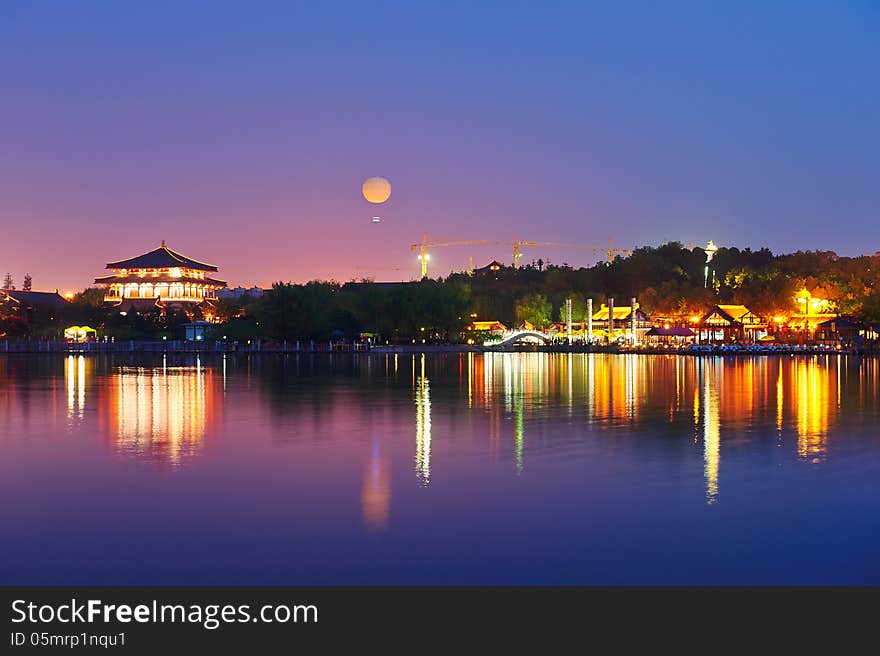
(241, 132)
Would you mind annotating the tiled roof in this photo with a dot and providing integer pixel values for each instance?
(620, 312)
(35, 298)
(160, 258)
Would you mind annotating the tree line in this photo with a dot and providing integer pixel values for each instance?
(668, 280)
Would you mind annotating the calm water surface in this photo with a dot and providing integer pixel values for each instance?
(455, 468)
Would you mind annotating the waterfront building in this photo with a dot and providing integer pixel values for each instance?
(160, 278)
(731, 323)
(842, 330)
(18, 308)
(805, 325)
(622, 324)
(492, 327)
(26, 300)
(559, 329)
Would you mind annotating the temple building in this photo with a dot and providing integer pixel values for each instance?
(490, 269)
(160, 278)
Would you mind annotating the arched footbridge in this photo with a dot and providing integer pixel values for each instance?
(520, 337)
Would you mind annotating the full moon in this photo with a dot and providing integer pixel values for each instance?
(377, 190)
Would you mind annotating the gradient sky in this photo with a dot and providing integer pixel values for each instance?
(240, 132)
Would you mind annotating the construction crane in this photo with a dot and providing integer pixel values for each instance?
(423, 247)
(371, 271)
(612, 252)
(517, 244)
(609, 252)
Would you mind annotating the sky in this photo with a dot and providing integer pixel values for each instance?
(241, 132)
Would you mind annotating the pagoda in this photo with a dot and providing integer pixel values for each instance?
(161, 277)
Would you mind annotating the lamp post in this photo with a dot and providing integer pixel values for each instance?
(632, 321)
(610, 326)
(568, 319)
(803, 298)
(590, 320)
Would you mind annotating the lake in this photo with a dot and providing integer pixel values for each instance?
(498, 468)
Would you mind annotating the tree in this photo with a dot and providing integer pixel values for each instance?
(7, 281)
(231, 308)
(12, 320)
(534, 308)
(28, 282)
(87, 308)
(578, 307)
(289, 311)
(870, 310)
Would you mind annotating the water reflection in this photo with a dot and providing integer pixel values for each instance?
(780, 400)
(577, 461)
(161, 414)
(518, 434)
(423, 424)
(722, 398)
(814, 385)
(77, 371)
(711, 432)
(519, 405)
(376, 492)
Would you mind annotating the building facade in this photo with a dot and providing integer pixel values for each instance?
(160, 277)
(731, 323)
(616, 323)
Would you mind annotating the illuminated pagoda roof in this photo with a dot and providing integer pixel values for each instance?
(160, 277)
(160, 258)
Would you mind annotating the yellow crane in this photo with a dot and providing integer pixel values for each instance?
(609, 252)
(371, 270)
(517, 244)
(612, 252)
(424, 246)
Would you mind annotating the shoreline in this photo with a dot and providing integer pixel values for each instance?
(147, 348)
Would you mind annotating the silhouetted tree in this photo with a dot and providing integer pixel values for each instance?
(534, 308)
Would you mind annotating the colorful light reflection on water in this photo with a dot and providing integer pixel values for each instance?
(470, 468)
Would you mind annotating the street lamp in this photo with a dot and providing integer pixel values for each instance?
(803, 298)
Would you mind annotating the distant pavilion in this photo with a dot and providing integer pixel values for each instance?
(160, 277)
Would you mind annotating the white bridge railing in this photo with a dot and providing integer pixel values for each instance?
(513, 336)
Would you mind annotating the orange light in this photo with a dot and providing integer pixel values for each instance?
(69, 295)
